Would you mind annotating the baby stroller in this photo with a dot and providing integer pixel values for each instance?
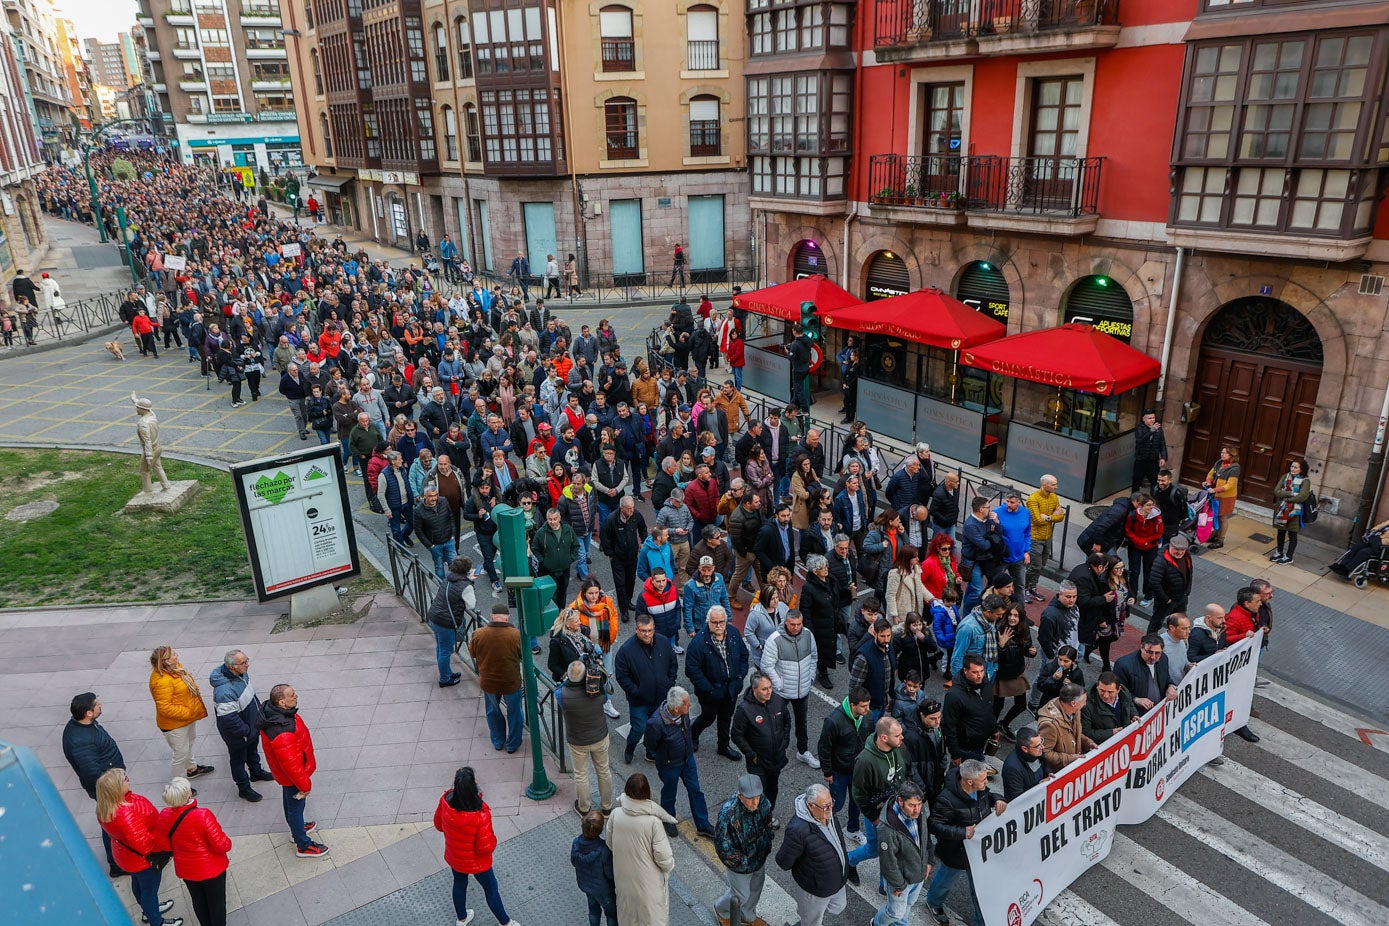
(1368, 559)
(431, 263)
(1200, 521)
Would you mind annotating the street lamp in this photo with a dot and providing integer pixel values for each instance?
(91, 181)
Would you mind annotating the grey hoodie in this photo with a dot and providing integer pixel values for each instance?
(826, 830)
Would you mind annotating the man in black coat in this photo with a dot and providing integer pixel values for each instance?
(1108, 710)
(1146, 674)
(1170, 582)
(716, 662)
(926, 746)
(967, 718)
(842, 737)
(1149, 450)
(814, 851)
(663, 484)
(1060, 618)
(964, 803)
(762, 733)
(945, 504)
(90, 751)
(1023, 770)
(1093, 597)
(645, 668)
(776, 542)
(1106, 532)
(621, 536)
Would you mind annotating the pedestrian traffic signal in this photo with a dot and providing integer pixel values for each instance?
(810, 321)
(511, 541)
(538, 608)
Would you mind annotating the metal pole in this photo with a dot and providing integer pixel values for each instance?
(91, 186)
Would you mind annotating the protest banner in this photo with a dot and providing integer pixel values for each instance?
(1052, 834)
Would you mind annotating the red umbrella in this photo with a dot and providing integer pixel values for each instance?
(927, 316)
(784, 300)
(1073, 356)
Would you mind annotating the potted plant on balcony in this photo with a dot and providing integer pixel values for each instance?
(886, 195)
(912, 198)
(954, 200)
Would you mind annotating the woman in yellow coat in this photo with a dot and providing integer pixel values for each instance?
(178, 706)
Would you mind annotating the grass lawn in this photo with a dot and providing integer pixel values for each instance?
(89, 551)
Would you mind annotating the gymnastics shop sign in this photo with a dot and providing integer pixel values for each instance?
(1052, 834)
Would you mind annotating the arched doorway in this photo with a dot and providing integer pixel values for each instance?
(1101, 303)
(1256, 381)
(808, 259)
(982, 286)
(886, 275)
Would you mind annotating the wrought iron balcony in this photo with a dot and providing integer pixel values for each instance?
(1042, 186)
(702, 55)
(898, 23)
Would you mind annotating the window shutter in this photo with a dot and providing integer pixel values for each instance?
(704, 110)
(702, 25)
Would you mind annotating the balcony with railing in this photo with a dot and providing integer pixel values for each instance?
(918, 30)
(1058, 195)
(702, 55)
(619, 55)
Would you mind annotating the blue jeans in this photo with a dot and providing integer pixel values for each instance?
(145, 886)
(600, 904)
(582, 564)
(738, 377)
(607, 510)
(323, 437)
(670, 787)
(870, 848)
(974, 591)
(488, 548)
(942, 881)
(638, 714)
(445, 638)
(488, 880)
(294, 816)
(511, 725)
(443, 554)
(402, 522)
(839, 792)
(898, 909)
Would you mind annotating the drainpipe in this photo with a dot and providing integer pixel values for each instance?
(1374, 473)
(849, 215)
(1172, 326)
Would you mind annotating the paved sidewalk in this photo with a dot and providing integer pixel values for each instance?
(386, 737)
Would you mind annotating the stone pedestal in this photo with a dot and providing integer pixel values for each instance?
(312, 603)
(178, 494)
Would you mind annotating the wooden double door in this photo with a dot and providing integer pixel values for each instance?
(1261, 406)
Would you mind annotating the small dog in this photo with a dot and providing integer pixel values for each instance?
(115, 348)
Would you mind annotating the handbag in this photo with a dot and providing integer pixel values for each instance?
(157, 860)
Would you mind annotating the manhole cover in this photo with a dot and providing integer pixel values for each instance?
(30, 511)
(1261, 538)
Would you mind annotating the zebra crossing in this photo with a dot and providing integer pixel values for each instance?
(1291, 831)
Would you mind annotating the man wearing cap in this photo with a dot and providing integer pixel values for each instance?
(704, 590)
(151, 454)
(743, 840)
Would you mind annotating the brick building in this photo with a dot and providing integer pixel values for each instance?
(1201, 178)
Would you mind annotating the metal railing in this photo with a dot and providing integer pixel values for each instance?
(72, 320)
(987, 183)
(892, 452)
(416, 584)
(917, 22)
(702, 55)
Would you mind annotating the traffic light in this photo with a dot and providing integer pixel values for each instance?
(511, 541)
(538, 607)
(810, 321)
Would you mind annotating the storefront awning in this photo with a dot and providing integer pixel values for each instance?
(927, 316)
(332, 184)
(1073, 356)
(784, 300)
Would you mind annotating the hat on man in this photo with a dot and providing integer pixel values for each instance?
(707, 452)
(750, 786)
(706, 561)
(144, 404)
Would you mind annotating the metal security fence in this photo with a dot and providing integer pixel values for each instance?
(415, 582)
(72, 320)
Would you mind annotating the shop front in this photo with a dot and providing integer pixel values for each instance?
(337, 202)
(1076, 398)
(770, 314)
(914, 388)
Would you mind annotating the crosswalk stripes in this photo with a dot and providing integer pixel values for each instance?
(1069, 910)
(1302, 811)
(1298, 752)
(1258, 856)
(1329, 717)
(1166, 884)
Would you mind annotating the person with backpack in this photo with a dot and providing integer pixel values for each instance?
(448, 616)
(1172, 501)
(1293, 494)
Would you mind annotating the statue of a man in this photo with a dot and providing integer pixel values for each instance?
(147, 428)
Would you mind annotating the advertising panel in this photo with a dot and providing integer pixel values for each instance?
(768, 373)
(951, 430)
(297, 519)
(887, 409)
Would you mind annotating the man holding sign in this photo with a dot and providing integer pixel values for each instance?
(964, 803)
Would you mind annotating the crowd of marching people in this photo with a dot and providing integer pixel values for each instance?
(746, 559)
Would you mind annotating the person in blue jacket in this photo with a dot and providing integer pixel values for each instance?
(91, 752)
(1015, 521)
(716, 662)
(645, 668)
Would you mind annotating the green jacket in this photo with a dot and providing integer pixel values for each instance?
(877, 775)
(362, 441)
(901, 859)
(556, 550)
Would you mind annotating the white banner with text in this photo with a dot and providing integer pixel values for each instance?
(1051, 835)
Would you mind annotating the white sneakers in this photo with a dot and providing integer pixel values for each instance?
(808, 758)
(610, 710)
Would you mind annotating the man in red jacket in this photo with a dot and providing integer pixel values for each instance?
(288, 751)
(702, 495)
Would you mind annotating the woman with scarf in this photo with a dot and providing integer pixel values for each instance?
(1291, 494)
(1223, 482)
(941, 570)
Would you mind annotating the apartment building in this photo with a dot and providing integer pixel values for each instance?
(39, 51)
(110, 63)
(606, 130)
(220, 70)
(22, 237)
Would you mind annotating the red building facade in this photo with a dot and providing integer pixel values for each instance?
(1201, 178)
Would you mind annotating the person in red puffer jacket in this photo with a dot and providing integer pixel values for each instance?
(131, 822)
(200, 851)
(1143, 534)
(288, 749)
(469, 842)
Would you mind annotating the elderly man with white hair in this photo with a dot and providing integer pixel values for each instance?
(238, 721)
(962, 805)
(671, 745)
(814, 851)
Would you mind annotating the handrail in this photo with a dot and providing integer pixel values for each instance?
(416, 584)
